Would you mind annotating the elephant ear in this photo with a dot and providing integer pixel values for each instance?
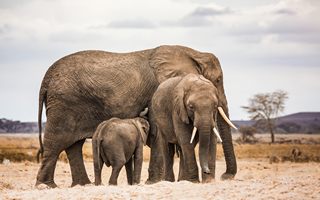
(179, 103)
(206, 64)
(143, 127)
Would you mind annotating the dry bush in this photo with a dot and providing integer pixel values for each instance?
(247, 134)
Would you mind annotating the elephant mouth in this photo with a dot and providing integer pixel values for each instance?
(215, 131)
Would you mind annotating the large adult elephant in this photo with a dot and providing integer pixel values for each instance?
(83, 89)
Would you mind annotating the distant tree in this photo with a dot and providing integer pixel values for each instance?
(266, 107)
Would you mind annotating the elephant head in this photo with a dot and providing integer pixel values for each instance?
(170, 61)
(196, 100)
(143, 127)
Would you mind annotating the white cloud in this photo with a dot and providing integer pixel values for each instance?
(138, 23)
(210, 11)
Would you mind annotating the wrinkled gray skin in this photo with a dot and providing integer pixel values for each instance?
(178, 105)
(118, 142)
(83, 89)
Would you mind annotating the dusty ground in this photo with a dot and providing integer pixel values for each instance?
(255, 180)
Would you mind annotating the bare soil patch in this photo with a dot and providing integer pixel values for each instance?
(255, 180)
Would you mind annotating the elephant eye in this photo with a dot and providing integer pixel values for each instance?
(190, 106)
(218, 80)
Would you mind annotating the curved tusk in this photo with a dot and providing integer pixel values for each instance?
(226, 118)
(217, 134)
(193, 134)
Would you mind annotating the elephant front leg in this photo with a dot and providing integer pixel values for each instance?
(190, 167)
(182, 169)
(78, 171)
(206, 178)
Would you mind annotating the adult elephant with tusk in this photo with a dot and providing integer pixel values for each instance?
(83, 89)
(181, 105)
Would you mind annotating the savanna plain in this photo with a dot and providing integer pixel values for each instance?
(265, 171)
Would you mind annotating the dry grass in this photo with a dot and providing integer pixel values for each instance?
(267, 150)
(24, 148)
(17, 149)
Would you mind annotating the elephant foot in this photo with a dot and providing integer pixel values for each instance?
(207, 178)
(45, 185)
(170, 178)
(97, 183)
(113, 183)
(151, 181)
(154, 176)
(135, 183)
(81, 182)
(191, 179)
(194, 180)
(227, 176)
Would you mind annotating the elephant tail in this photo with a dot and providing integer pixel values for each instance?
(42, 98)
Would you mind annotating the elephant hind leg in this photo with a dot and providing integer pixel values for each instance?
(50, 156)
(78, 170)
(114, 174)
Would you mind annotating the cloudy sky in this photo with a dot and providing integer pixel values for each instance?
(262, 45)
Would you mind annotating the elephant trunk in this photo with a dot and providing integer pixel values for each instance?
(227, 145)
(204, 142)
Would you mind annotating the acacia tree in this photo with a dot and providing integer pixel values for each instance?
(266, 107)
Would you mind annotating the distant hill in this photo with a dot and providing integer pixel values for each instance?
(10, 126)
(302, 122)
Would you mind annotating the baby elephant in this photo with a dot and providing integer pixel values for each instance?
(119, 142)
